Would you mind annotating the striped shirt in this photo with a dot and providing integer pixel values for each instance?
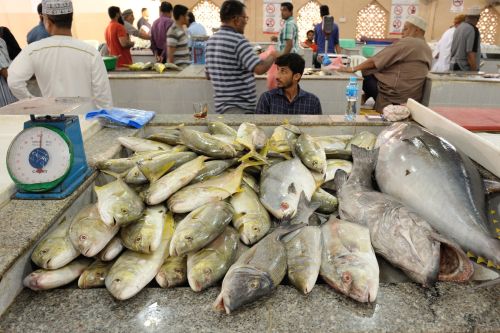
(275, 102)
(290, 31)
(230, 62)
(177, 37)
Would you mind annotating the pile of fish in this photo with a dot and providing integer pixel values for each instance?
(237, 206)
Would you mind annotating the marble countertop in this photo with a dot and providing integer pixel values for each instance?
(402, 307)
(457, 76)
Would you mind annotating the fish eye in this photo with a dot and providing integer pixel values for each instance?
(207, 270)
(254, 284)
(188, 238)
(124, 210)
(138, 239)
(44, 251)
(83, 237)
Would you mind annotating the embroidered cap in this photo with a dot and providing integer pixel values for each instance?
(417, 21)
(57, 7)
(473, 11)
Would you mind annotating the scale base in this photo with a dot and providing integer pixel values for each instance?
(69, 189)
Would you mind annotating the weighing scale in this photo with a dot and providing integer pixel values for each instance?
(47, 159)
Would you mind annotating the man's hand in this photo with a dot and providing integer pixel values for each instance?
(3, 73)
(159, 58)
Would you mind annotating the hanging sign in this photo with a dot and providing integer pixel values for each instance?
(271, 18)
(400, 10)
(457, 6)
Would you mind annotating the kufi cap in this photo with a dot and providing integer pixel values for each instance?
(57, 7)
(473, 11)
(127, 12)
(417, 21)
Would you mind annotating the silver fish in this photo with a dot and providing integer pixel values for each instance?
(144, 236)
(398, 234)
(213, 168)
(311, 153)
(328, 203)
(439, 183)
(209, 265)
(49, 279)
(250, 218)
(281, 185)
(112, 250)
(94, 275)
(217, 127)
(132, 271)
(206, 144)
(173, 181)
(303, 252)
(173, 272)
(56, 249)
(348, 262)
(200, 227)
(118, 204)
(88, 233)
(139, 144)
(256, 273)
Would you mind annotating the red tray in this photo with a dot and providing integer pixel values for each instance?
(472, 118)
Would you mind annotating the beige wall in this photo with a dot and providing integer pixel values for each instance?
(91, 16)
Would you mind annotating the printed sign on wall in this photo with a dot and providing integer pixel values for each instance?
(457, 6)
(400, 10)
(271, 18)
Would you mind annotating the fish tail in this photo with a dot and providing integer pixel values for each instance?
(340, 179)
(364, 156)
(255, 155)
(285, 229)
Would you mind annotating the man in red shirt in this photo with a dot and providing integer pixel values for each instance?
(117, 38)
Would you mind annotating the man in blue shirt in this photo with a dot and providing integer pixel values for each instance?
(319, 35)
(39, 31)
(288, 98)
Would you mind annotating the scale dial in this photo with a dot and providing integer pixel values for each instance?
(39, 158)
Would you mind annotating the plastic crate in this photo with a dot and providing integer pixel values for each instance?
(367, 51)
(347, 43)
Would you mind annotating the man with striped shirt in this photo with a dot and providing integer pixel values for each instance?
(177, 39)
(231, 62)
(288, 40)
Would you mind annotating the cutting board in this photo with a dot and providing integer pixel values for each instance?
(472, 118)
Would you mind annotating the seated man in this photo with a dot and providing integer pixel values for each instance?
(288, 98)
(398, 72)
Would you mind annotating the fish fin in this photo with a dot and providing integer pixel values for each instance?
(406, 235)
(265, 150)
(255, 155)
(305, 209)
(116, 174)
(487, 284)
(285, 229)
(292, 189)
(340, 179)
(481, 260)
(154, 176)
(491, 186)
(364, 156)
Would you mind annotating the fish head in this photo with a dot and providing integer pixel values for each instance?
(34, 280)
(85, 244)
(243, 285)
(51, 252)
(251, 231)
(171, 277)
(91, 278)
(182, 243)
(122, 286)
(202, 275)
(355, 280)
(126, 210)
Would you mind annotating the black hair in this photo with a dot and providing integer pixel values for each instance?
(191, 17)
(165, 7)
(288, 6)
(39, 8)
(180, 10)
(324, 10)
(113, 11)
(12, 45)
(308, 31)
(230, 9)
(293, 61)
(62, 21)
(143, 10)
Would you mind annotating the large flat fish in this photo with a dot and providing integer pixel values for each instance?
(281, 185)
(398, 234)
(438, 182)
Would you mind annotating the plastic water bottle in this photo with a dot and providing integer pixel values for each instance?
(351, 93)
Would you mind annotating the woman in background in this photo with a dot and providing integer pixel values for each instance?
(10, 40)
